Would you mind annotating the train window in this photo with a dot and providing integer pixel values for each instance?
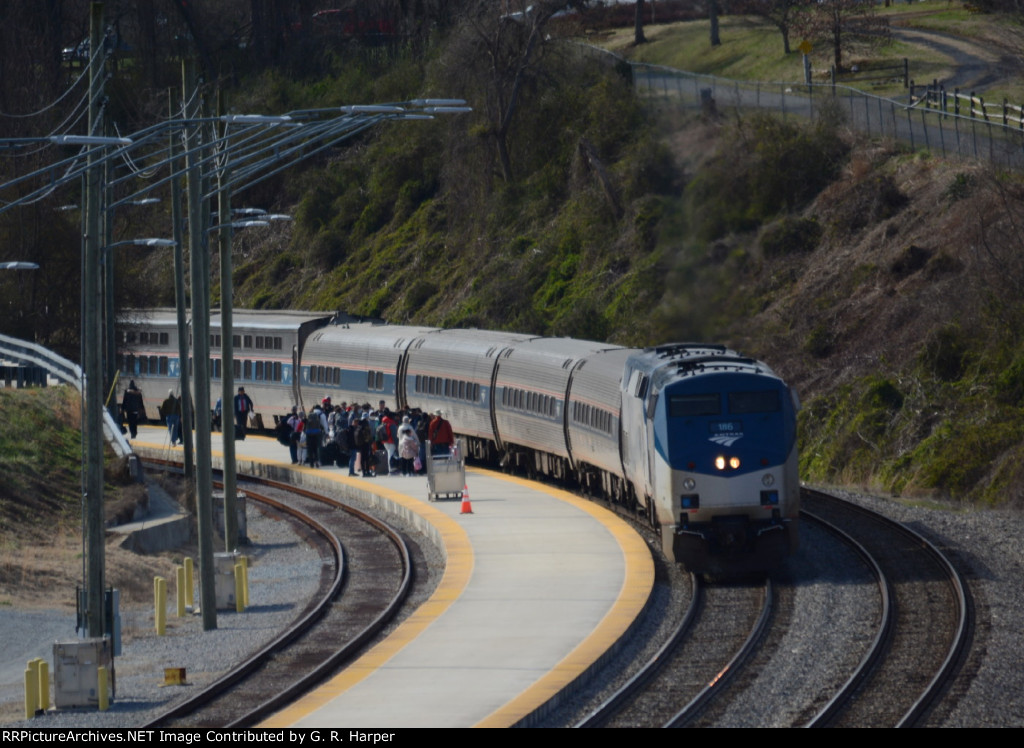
(237, 366)
(247, 341)
(259, 342)
(165, 338)
(641, 387)
(258, 371)
(154, 366)
(277, 344)
(163, 366)
(236, 341)
(278, 371)
(681, 406)
(462, 390)
(215, 341)
(476, 393)
(216, 367)
(754, 402)
(337, 376)
(380, 380)
(246, 369)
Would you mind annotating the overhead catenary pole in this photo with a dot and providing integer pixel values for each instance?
(178, 233)
(226, 342)
(199, 268)
(91, 340)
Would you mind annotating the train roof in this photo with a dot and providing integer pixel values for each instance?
(666, 363)
(270, 319)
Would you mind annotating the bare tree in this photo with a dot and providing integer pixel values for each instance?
(507, 43)
(780, 13)
(838, 22)
(638, 24)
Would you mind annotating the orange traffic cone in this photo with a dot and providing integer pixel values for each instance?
(467, 508)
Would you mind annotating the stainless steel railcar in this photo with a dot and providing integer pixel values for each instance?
(266, 347)
(698, 439)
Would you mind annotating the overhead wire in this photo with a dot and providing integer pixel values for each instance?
(53, 103)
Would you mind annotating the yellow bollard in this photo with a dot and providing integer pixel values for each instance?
(160, 604)
(189, 602)
(239, 588)
(245, 580)
(44, 685)
(101, 684)
(180, 590)
(31, 691)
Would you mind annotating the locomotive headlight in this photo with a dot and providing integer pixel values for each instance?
(767, 480)
(689, 484)
(734, 463)
(720, 463)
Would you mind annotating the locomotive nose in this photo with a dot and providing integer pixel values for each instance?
(733, 537)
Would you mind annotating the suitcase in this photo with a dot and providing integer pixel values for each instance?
(380, 462)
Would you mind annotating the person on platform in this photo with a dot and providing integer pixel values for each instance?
(170, 409)
(440, 435)
(408, 447)
(243, 407)
(133, 408)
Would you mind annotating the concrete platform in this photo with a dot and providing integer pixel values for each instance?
(538, 585)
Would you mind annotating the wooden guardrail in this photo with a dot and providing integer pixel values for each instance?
(934, 96)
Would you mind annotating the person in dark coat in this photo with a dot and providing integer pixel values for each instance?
(133, 408)
(171, 412)
(243, 407)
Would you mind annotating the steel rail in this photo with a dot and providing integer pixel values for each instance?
(718, 684)
(964, 617)
(300, 627)
(606, 710)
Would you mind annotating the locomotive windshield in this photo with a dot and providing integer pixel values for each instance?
(754, 402)
(710, 404)
(682, 406)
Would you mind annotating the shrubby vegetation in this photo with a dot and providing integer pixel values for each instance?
(887, 287)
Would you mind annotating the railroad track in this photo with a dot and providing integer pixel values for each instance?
(924, 629)
(369, 581)
(721, 629)
(891, 671)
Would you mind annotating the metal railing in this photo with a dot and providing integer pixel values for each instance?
(66, 371)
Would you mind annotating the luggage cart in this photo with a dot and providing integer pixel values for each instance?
(446, 474)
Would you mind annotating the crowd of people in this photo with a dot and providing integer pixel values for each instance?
(369, 441)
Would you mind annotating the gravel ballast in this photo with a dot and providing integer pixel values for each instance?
(986, 544)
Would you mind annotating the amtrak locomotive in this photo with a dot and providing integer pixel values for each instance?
(699, 440)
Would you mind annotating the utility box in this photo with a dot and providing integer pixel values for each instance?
(218, 515)
(224, 579)
(76, 666)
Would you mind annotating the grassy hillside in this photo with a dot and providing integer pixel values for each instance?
(884, 284)
(41, 505)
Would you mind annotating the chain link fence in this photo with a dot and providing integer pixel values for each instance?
(921, 124)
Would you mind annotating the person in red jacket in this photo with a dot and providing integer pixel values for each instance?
(439, 432)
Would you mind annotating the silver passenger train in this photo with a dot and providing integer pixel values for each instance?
(699, 440)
